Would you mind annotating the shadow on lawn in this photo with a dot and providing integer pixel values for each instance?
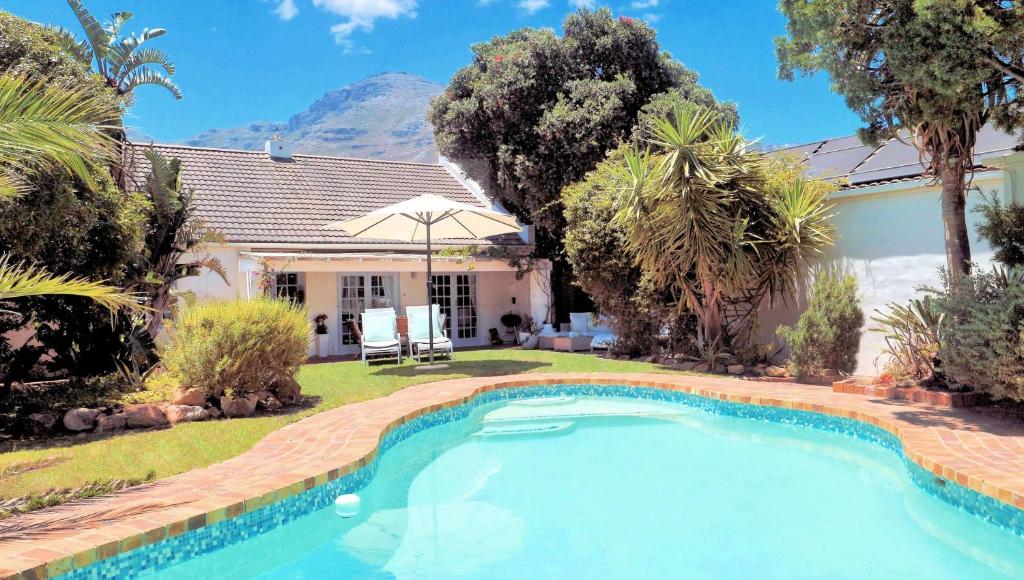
(474, 368)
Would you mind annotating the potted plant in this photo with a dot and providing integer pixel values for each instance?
(322, 341)
(528, 333)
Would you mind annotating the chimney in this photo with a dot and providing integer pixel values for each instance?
(279, 150)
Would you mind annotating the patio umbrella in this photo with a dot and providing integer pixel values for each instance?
(423, 218)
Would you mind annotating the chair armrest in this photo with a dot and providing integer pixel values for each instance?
(356, 331)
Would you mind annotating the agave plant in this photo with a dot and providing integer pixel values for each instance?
(121, 60)
(911, 336)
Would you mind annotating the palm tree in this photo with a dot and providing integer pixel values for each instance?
(122, 61)
(45, 127)
(702, 220)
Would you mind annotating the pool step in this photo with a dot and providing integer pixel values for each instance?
(527, 429)
(542, 401)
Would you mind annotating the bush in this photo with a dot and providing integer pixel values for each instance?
(237, 347)
(983, 334)
(827, 335)
(1003, 228)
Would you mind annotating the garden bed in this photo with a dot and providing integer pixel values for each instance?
(915, 394)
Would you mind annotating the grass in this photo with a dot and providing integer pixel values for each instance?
(76, 461)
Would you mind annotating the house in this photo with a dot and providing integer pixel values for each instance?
(889, 219)
(271, 208)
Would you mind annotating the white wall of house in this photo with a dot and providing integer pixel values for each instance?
(891, 237)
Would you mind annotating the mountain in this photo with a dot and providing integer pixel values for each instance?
(379, 117)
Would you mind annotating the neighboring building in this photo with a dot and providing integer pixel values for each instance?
(889, 218)
(272, 211)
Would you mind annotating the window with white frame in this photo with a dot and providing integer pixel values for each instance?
(290, 286)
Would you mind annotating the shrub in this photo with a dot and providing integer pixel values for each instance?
(827, 335)
(911, 338)
(983, 334)
(238, 346)
(1003, 228)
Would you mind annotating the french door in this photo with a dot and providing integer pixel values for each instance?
(356, 293)
(455, 295)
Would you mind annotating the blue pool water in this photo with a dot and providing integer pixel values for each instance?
(605, 487)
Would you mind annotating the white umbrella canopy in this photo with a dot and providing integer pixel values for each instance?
(409, 220)
(424, 218)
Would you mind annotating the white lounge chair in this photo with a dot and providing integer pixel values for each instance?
(419, 333)
(379, 335)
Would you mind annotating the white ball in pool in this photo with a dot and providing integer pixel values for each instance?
(347, 505)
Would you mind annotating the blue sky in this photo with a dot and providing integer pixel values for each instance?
(247, 60)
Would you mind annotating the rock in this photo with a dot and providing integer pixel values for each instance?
(267, 401)
(214, 412)
(905, 384)
(701, 367)
(624, 357)
(736, 369)
(185, 413)
(688, 365)
(777, 372)
(718, 370)
(80, 419)
(108, 423)
(288, 392)
(192, 397)
(243, 407)
(144, 416)
(42, 423)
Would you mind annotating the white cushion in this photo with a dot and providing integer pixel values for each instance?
(603, 341)
(380, 343)
(580, 322)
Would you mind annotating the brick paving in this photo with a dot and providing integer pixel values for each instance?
(982, 452)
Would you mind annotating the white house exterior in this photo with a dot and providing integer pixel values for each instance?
(272, 209)
(889, 219)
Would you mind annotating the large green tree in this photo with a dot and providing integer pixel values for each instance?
(933, 71)
(536, 111)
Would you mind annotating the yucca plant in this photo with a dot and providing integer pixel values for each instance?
(122, 61)
(912, 337)
(703, 219)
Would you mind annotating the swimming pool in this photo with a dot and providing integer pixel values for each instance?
(588, 481)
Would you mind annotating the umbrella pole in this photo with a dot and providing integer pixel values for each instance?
(430, 296)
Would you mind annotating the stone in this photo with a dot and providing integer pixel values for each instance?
(624, 357)
(42, 423)
(185, 413)
(192, 397)
(776, 372)
(701, 367)
(241, 407)
(214, 412)
(288, 392)
(144, 416)
(688, 365)
(736, 369)
(80, 419)
(108, 423)
(267, 401)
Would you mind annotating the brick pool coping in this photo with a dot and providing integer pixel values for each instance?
(977, 451)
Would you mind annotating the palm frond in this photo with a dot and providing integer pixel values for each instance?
(69, 43)
(18, 280)
(141, 58)
(147, 76)
(95, 33)
(45, 126)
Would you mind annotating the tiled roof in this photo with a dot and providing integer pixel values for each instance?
(861, 164)
(251, 198)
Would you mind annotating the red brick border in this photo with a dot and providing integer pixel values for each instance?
(983, 453)
(914, 394)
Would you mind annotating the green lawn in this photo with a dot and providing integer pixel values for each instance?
(73, 461)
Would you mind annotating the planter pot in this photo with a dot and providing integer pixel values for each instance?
(322, 344)
(523, 337)
(531, 341)
(548, 329)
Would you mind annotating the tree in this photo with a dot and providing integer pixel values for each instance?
(121, 61)
(172, 232)
(536, 111)
(62, 225)
(47, 128)
(933, 70)
(704, 221)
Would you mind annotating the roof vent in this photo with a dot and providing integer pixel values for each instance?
(278, 149)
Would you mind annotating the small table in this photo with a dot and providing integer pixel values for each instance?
(571, 343)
